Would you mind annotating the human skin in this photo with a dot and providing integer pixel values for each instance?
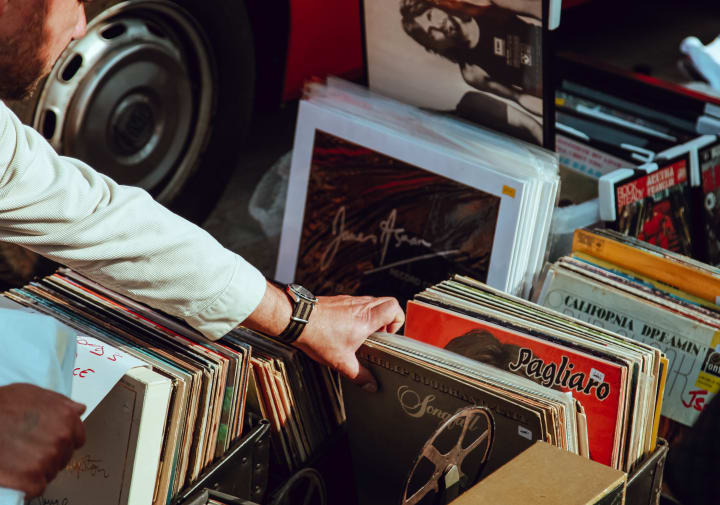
(338, 324)
(39, 430)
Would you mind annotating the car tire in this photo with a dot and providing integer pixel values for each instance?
(158, 94)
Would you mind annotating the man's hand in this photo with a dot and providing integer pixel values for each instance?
(340, 324)
(39, 431)
(337, 327)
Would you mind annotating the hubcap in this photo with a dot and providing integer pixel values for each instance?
(134, 97)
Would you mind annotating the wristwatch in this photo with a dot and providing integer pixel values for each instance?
(303, 302)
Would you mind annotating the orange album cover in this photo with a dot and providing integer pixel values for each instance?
(596, 383)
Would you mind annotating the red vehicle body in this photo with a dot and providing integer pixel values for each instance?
(325, 38)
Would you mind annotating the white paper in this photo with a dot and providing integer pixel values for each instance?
(597, 375)
(26, 332)
(98, 367)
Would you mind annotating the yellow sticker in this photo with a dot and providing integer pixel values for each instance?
(507, 190)
(708, 382)
(559, 101)
(715, 341)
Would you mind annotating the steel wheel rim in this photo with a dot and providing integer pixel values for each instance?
(134, 98)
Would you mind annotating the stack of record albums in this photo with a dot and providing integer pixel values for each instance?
(169, 404)
(386, 199)
(394, 192)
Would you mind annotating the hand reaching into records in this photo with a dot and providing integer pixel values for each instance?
(336, 328)
(39, 431)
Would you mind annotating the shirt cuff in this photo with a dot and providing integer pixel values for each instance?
(235, 303)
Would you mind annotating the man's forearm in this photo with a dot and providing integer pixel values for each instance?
(118, 235)
(273, 313)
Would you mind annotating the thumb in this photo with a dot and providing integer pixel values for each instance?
(366, 380)
(78, 408)
(360, 375)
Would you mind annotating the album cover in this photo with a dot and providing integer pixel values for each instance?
(374, 213)
(508, 316)
(689, 345)
(395, 456)
(709, 158)
(379, 226)
(656, 207)
(599, 385)
(484, 61)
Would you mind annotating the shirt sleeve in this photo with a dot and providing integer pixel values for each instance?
(118, 235)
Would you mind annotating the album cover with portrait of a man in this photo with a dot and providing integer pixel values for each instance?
(484, 60)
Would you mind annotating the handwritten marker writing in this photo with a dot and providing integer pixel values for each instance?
(83, 373)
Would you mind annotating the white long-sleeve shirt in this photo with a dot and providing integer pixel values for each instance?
(118, 235)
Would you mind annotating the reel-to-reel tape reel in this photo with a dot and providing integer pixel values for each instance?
(452, 459)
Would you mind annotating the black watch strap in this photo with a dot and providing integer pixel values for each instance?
(303, 302)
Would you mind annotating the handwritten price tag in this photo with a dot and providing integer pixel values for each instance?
(98, 367)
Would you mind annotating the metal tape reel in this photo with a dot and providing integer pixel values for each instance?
(450, 463)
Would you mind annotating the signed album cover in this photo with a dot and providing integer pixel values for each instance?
(386, 215)
(378, 226)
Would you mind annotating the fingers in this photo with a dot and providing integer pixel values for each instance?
(387, 315)
(68, 434)
(359, 375)
(78, 430)
(34, 487)
(78, 408)
(366, 380)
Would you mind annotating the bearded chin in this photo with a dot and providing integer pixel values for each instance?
(19, 87)
(22, 58)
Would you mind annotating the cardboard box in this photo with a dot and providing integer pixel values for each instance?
(546, 475)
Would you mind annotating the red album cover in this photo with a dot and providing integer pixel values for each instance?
(710, 171)
(657, 208)
(596, 383)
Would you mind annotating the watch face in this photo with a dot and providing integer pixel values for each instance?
(302, 292)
